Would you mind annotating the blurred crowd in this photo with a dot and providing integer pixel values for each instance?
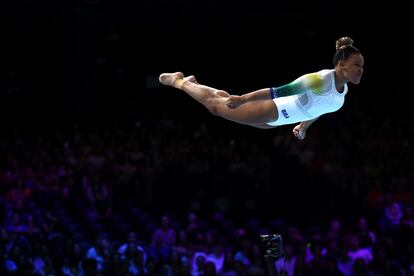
(162, 197)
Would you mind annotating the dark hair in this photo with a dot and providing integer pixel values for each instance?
(344, 49)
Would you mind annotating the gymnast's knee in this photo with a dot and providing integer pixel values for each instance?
(222, 93)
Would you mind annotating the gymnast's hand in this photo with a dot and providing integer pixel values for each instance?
(234, 101)
(299, 131)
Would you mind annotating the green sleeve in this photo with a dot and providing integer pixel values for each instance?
(309, 82)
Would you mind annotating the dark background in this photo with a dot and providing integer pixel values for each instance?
(101, 59)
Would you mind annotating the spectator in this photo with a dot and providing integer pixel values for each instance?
(163, 239)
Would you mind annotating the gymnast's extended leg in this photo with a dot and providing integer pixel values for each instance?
(255, 113)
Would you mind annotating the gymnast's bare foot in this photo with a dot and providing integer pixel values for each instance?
(171, 79)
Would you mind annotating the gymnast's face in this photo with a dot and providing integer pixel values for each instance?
(353, 68)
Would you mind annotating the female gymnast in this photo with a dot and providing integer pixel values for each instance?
(302, 101)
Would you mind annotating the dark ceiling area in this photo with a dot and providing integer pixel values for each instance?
(93, 55)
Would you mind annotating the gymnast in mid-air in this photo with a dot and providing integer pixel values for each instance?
(302, 101)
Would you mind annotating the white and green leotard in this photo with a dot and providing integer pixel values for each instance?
(307, 97)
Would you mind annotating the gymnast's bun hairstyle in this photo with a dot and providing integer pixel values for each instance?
(344, 49)
(343, 42)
